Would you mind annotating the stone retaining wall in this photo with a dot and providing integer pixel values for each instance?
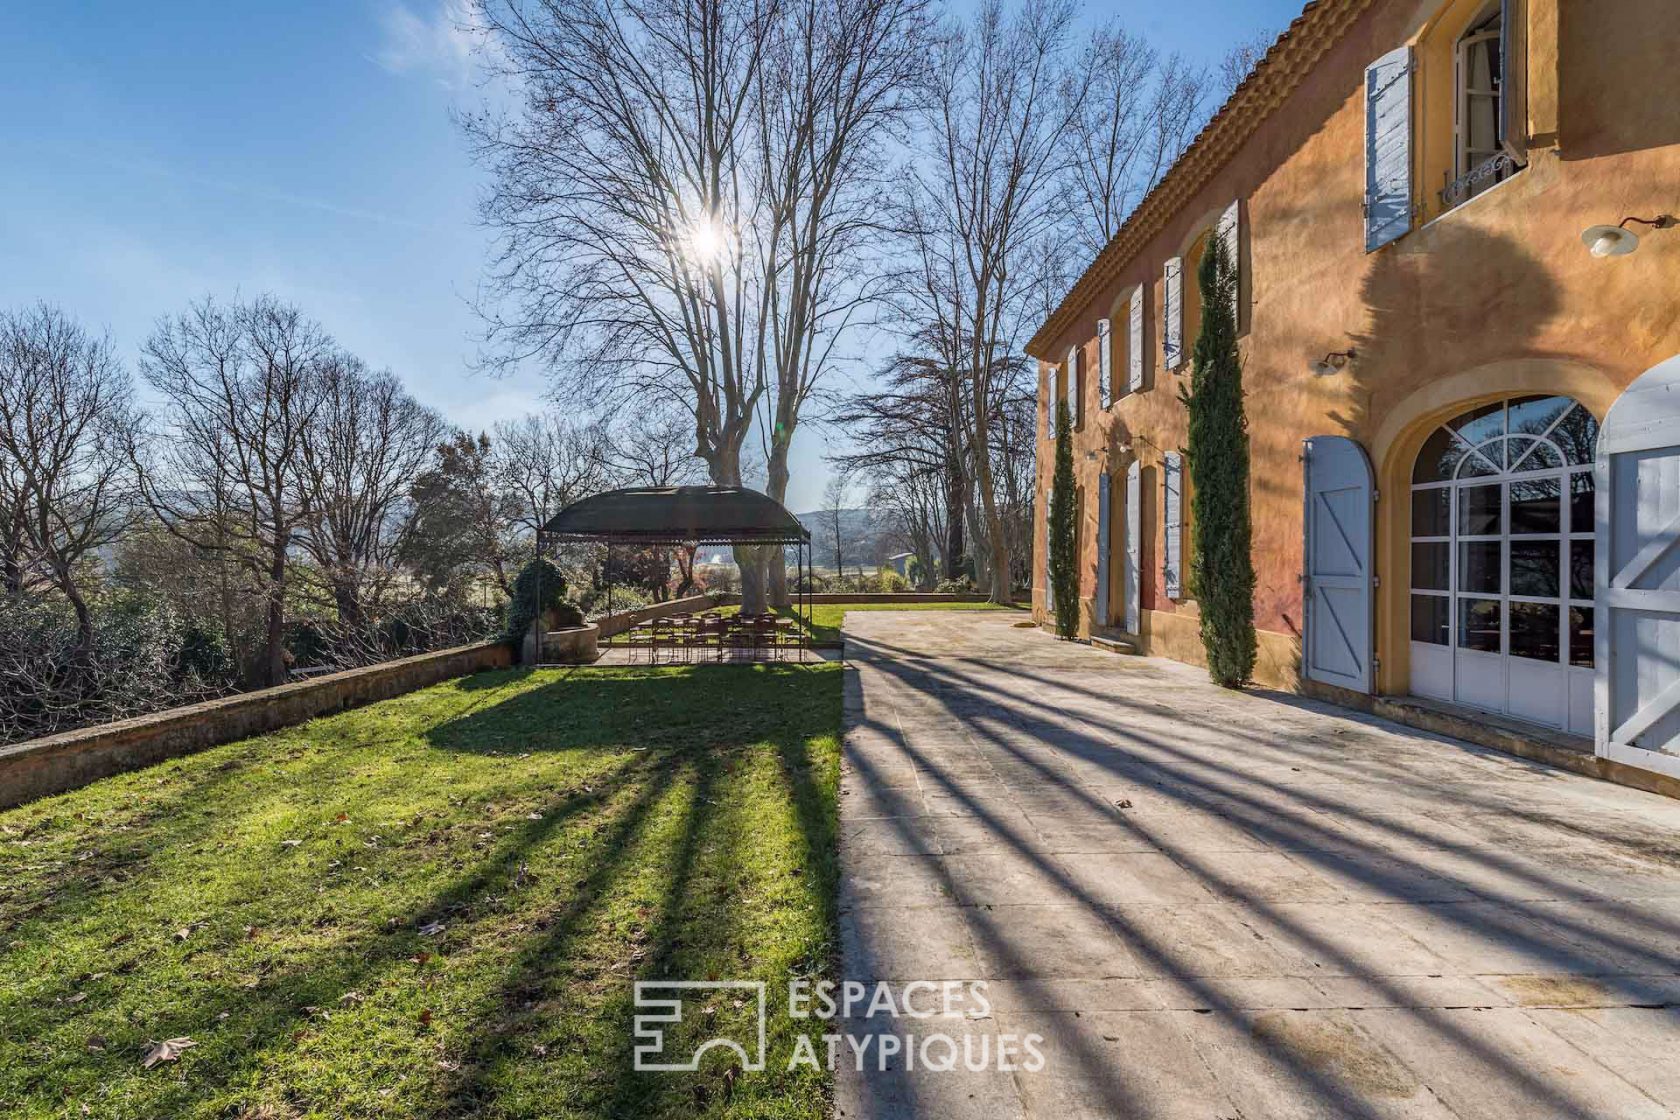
(618, 623)
(907, 597)
(66, 761)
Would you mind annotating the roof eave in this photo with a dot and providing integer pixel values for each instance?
(1277, 75)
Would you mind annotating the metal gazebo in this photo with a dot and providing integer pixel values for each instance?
(679, 516)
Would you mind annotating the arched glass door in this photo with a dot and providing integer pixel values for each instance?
(1502, 562)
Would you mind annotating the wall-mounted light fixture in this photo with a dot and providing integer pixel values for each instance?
(1618, 240)
(1332, 362)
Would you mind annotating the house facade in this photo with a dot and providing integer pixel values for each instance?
(1461, 391)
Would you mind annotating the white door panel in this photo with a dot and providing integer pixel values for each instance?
(1134, 536)
(1338, 549)
(1637, 588)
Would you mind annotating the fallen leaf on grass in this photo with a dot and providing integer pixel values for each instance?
(169, 1050)
(426, 1017)
(77, 998)
(431, 929)
(290, 843)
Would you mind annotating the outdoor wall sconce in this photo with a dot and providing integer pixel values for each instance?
(1618, 240)
(1332, 362)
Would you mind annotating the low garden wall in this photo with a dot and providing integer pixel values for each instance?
(618, 623)
(65, 761)
(906, 597)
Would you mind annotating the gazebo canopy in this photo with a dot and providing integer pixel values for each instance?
(678, 515)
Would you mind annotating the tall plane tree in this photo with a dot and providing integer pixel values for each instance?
(679, 195)
(1133, 113)
(983, 212)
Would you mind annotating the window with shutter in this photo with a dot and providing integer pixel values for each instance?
(1073, 396)
(1172, 469)
(1172, 313)
(1513, 65)
(1105, 364)
(1230, 234)
(1134, 345)
(1388, 148)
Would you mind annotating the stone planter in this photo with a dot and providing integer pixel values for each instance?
(573, 645)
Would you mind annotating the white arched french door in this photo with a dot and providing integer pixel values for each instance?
(1502, 504)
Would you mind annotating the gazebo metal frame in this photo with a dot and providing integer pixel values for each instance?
(702, 515)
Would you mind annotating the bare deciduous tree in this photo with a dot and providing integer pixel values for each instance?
(834, 507)
(983, 212)
(1239, 62)
(679, 197)
(1133, 113)
(546, 462)
(65, 416)
(653, 448)
(369, 442)
(908, 433)
(241, 386)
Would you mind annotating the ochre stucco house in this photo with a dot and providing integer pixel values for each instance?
(1431, 350)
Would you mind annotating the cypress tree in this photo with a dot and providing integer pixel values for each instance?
(1222, 566)
(1064, 536)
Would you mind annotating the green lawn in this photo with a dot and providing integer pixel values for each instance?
(431, 907)
(827, 617)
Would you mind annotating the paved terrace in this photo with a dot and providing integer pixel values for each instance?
(1239, 905)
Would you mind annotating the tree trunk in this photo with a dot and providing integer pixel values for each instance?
(349, 604)
(956, 497)
(775, 559)
(751, 562)
(685, 570)
(1001, 592)
(274, 630)
(726, 471)
(84, 619)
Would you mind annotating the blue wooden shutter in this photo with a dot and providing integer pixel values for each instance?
(1513, 79)
(1172, 313)
(1388, 148)
(1073, 397)
(1105, 363)
(1172, 468)
(1230, 232)
(1134, 345)
(1103, 533)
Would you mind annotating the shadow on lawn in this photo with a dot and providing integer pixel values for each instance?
(671, 707)
(536, 911)
(687, 844)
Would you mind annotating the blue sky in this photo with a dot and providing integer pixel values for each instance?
(156, 152)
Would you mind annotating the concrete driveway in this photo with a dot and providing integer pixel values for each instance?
(1210, 904)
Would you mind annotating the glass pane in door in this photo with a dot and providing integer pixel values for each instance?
(1534, 631)
(1535, 507)
(1479, 624)
(1534, 568)
(1479, 511)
